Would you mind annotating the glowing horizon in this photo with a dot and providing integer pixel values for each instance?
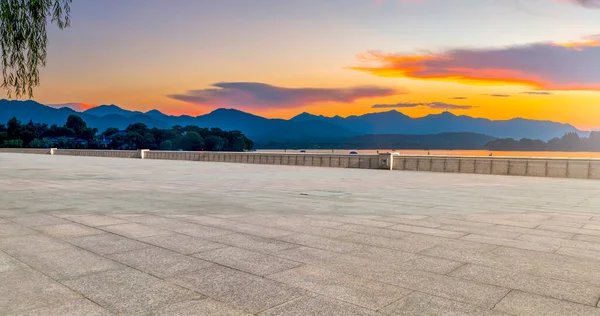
(280, 59)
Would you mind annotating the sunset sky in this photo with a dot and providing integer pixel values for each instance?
(498, 59)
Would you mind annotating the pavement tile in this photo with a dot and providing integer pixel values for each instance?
(239, 289)
(384, 242)
(26, 289)
(253, 242)
(572, 230)
(160, 262)
(134, 230)
(68, 230)
(591, 226)
(182, 243)
(574, 292)
(344, 287)
(209, 220)
(68, 263)
(247, 261)
(431, 264)
(382, 232)
(38, 220)
(11, 230)
(487, 231)
(315, 230)
(317, 306)
(578, 252)
(197, 230)
(257, 230)
(511, 243)
(592, 239)
(417, 303)
(96, 220)
(8, 263)
(130, 292)
(457, 289)
(31, 244)
(106, 244)
(73, 308)
(352, 220)
(526, 304)
(502, 220)
(532, 231)
(387, 255)
(409, 221)
(205, 306)
(427, 231)
(559, 242)
(322, 243)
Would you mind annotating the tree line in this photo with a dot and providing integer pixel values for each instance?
(569, 142)
(75, 134)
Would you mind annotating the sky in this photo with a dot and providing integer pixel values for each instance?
(498, 59)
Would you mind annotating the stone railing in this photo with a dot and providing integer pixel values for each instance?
(515, 166)
(312, 160)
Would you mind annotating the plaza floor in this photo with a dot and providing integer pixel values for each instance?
(109, 236)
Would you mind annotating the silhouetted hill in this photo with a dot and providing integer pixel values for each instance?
(304, 126)
(104, 110)
(394, 122)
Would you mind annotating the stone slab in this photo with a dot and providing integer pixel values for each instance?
(73, 308)
(182, 243)
(129, 291)
(239, 289)
(418, 303)
(355, 290)
(317, 306)
(160, 262)
(526, 304)
(106, 244)
(68, 230)
(247, 261)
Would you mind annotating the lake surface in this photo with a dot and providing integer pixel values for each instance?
(555, 154)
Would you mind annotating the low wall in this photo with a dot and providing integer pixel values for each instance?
(510, 166)
(38, 151)
(98, 153)
(311, 160)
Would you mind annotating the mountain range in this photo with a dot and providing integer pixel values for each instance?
(301, 127)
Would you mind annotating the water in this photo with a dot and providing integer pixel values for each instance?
(543, 154)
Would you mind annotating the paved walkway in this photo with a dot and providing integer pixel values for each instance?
(104, 236)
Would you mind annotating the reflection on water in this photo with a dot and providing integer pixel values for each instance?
(452, 153)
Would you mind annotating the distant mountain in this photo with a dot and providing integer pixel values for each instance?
(305, 126)
(104, 110)
(394, 122)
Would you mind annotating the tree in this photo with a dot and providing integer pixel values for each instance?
(23, 40)
(110, 131)
(75, 123)
(166, 145)
(191, 141)
(214, 143)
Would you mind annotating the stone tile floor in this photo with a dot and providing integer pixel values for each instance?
(106, 236)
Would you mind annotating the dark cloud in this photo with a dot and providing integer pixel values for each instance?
(543, 66)
(262, 95)
(537, 92)
(431, 105)
(495, 95)
(459, 98)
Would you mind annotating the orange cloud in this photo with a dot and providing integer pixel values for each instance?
(542, 66)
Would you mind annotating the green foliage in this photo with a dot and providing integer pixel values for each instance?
(166, 145)
(23, 40)
(569, 142)
(76, 134)
(191, 141)
(13, 143)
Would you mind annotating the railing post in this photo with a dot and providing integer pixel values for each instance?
(52, 151)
